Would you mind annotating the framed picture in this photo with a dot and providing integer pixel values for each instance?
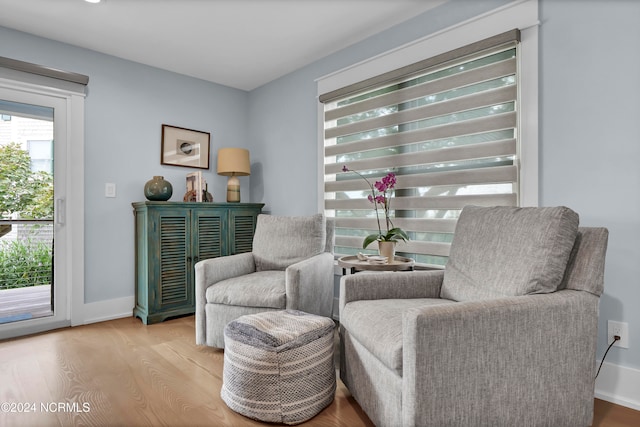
(194, 187)
(184, 147)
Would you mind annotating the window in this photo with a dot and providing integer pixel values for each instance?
(446, 126)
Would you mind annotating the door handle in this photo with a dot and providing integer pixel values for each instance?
(60, 212)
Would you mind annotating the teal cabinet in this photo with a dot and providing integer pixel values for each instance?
(171, 238)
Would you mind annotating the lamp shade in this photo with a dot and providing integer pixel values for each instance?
(234, 162)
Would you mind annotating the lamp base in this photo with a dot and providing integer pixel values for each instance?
(233, 190)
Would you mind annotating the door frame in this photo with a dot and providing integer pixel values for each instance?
(69, 204)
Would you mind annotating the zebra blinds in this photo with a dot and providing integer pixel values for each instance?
(44, 76)
(447, 127)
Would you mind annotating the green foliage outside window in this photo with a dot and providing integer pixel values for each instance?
(25, 263)
(22, 191)
(29, 195)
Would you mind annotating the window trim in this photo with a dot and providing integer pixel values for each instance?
(521, 14)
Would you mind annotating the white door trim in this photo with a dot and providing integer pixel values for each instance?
(69, 189)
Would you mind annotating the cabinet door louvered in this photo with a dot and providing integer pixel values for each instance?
(243, 224)
(209, 228)
(171, 238)
(174, 260)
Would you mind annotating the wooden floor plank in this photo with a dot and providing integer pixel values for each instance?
(131, 374)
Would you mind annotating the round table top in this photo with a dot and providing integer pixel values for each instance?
(398, 264)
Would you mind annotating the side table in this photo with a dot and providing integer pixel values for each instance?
(354, 264)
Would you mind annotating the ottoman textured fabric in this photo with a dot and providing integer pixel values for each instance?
(279, 366)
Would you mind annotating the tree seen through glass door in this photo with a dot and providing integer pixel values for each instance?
(26, 211)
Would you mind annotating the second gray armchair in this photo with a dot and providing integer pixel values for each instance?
(291, 267)
(504, 336)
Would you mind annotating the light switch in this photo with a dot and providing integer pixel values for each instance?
(110, 189)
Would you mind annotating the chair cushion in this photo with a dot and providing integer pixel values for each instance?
(508, 251)
(377, 325)
(281, 241)
(260, 289)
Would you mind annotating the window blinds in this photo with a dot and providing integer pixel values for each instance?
(447, 127)
(44, 76)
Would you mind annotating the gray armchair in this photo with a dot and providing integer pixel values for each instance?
(504, 336)
(291, 267)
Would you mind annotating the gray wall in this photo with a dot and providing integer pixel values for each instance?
(126, 105)
(590, 140)
(589, 130)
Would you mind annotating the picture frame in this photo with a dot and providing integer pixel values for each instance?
(194, 187)
(185, 147)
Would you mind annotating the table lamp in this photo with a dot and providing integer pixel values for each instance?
(233, 162)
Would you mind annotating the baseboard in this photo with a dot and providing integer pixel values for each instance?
(108, 310)
(619, 384)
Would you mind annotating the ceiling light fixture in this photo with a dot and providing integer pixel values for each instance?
(92, 1)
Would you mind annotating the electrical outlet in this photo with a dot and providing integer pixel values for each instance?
(622, 330)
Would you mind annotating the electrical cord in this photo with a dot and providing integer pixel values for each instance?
(615, 338)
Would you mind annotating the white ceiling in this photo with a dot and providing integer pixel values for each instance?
(238, 43)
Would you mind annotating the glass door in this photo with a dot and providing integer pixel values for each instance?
(26, 211)
(33, 293)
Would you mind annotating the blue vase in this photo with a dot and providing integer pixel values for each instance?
(158, 189)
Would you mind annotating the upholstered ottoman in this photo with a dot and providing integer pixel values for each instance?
(278, 366)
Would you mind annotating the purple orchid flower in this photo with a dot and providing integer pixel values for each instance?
(387, 183)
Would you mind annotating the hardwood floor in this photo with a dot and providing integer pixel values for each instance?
(123, 373)
(607, 414)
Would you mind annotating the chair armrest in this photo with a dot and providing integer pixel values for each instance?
(390, 285)
(214, 270)
(538, 349)
(309, 285)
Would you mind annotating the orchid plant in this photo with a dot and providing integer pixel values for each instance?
(381, 197)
